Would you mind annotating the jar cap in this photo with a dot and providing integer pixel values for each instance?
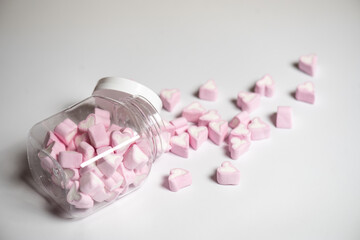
(116, 87)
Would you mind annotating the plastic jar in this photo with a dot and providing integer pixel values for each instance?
(120, 105)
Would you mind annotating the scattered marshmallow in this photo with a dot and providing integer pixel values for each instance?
(227, 174)
(218, 131)
(238, 147)
(241, 132)
(180, 145)
(265, 86)
(259, 129)
(170, 98)
(248, 101)
(179, 178)
(208, 91)
(284, 117)
(209, 116)
(197, 135)
(305, 92)
(307, 64)
(193, 112)
(243, 117)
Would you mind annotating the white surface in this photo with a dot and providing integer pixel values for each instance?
(300, 184)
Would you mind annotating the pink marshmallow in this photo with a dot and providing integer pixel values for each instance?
(129, 175)
(98, 136)
(71, 146)
(78, 199)
(51, 137)
(208, 91)
(259, 129)
(241, 132)
(218, 131)
(128, 131)
(168, 127)
(90, 183)
(307, 64)
(81, 138)
(305, 92)
(86, 150)
(179, 122)
(243, 117)
(72, 173)
(197, 135)
(238, 147)
(180, 145)
(70, 159)
(109, 163)
(227, 174)
(181, 130)
(103, 116)
(265, 86)
(179, 178)
(87, 123)
(209, 116)
(170, 98)
(248, 101)
(135, 158)
(66, 131)
(284, 117)
(118, 138)
(114, 182)
(113, 127)
(193, 112)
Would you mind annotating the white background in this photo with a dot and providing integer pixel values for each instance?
(301, 183)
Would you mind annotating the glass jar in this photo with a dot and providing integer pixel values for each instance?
(98, 150)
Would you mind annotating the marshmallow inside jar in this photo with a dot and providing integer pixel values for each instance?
(99, 149)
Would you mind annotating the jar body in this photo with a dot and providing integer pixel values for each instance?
(109, 168)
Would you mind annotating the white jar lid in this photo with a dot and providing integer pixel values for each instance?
(116, 88)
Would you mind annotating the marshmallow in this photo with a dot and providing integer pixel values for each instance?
(98, 136)
(90, 183)
(81, 138)
(109, 163)
(193, 112)
(170, 98)
(66, 131)
(307, 64)
(72, 173)
(238, 146)
(305, 92)
(197, 135)
(218, 131)
(168, 127)
(248, 101)
(180, 145)
(78, 199)
(112, 128)
(241, 132)
(178, 179)
(227, 174)
(284, 117)
(70, 159)
(103, 116)
(179, 122)
(265, 86)
(113, 182)
(51, 137)
(209, 116)
(87, 123)
(118, 138)
(242, 117)
(208, 91)
(86, 150)
(129, 131)
(129, 175)
(181, 130)
(71, 146)
(259, 129)
(135, 158)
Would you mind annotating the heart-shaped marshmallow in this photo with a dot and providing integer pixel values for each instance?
(66, 131)
(180, 145)
(305, 92)
(118, 138)
(178, 179)
(227, 174)
(307, 64)
(241, 131)
(265, 86)
(87, 123)
(198, 135)
(193, 112)
(242, 117)
(208, 91)
(78, 199)
(259, 129)
(248, 101)
(109, 163)
(135, 158)
(170, 98)
(238, 146)
(209, 116)
(218, 131)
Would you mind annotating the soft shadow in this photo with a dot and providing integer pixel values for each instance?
(272, 118)
(292, 94)
(295, 65)
(234, 102)
(212, 177)
(165, 182)
(196, 93)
